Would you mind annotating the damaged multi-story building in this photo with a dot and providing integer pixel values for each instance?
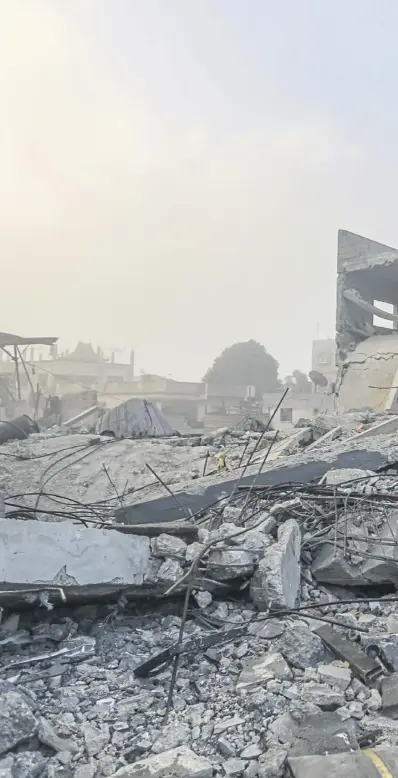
(366, 323)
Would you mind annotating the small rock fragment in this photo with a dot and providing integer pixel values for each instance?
(300, 647)
(170, 571)
(204, 599)
(193, 551)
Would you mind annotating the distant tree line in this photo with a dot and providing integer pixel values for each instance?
(250, 364)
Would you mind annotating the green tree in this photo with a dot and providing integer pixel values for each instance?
(245, 364)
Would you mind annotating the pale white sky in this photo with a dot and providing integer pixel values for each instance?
(173, 173)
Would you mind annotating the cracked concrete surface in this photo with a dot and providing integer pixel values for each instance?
(61, 553)
(369, 373)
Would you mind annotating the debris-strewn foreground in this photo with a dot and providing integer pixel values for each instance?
(250, 630)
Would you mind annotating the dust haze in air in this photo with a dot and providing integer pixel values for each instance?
(173, 175)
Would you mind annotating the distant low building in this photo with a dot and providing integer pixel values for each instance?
(324, 360)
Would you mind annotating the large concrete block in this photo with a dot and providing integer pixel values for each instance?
(276, 582)
(66, 554)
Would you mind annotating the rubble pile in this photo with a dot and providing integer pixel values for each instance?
(159, 623)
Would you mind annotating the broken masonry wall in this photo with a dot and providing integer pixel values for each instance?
(370, 271)
(368, 375)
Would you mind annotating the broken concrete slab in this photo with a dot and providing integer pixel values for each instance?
(65, 554)
(330, 566)
(179, 762)
(324, 733)
(207, 490)
(358, 764)
(276, 582)
(264, 669)
(373, 560)
(336, 674)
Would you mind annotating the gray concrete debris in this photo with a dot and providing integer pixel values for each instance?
(300, 647)
(276, 582)
(234, 766)
(203, 599)
(392, 623)
(96, 738)
(172, 735)
(17, 722)
(178, 763)
(271, 765)
(193, 551)
(343, 475)
(167, 546)
(29, 764)
(66, 554)
(323, 696)
(169, 572)
(47, 735)
(372, 560)
(225, 724)
(324, 733)
(262, 670)
(389, 695)
(227, 564)
(336, 674)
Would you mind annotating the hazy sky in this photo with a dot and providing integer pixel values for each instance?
(173, 172)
